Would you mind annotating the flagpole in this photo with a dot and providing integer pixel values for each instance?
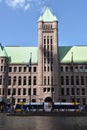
(30, 75)
(73, 79)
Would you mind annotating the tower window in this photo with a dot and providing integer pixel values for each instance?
(51, 40)
(34, 91)
(34, 80)
(44, 39)
(44, 80)
(47, 39)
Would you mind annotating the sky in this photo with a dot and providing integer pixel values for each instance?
(19, 21)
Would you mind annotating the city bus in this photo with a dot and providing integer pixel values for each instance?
(33, 106)
(66, 106)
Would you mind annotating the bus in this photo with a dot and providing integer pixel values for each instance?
(66, 106)
(33, 106)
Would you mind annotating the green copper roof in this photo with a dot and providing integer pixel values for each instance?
(79, 54)
(47, 16)
(22, 54)
(2, 51)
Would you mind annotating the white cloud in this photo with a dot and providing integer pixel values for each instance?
(18, 4)
(25, 4)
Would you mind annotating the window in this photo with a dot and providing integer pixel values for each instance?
(48, 54)
(14, 80)
(34, 91)
(82, 80)
(0, 80)
(44, 89)
(34, 80)
(51, 40)
(9, 81)
(86, 80)
(83, 91)
(67, 80)
(44, 39)
(48, 60)
(78, 92)
(10, 69)
(29, 80)
(61, 69)
(25, 69)
(5, 68)
(3, 91)
(72, 80)
(85, 68)
(24, 91)
(67, 69)
(72, 91)
(48, 80)
(62, 80)
(34, 69)
(1, 60)
(44, 80)
(48, 46)
(30, 69)
(47, 39)
(15, 69)
(44, 68)
(71, 69)
(44, 50)
(48, 68)
(0, 91)
(44, 60)
(76, 69)
(9, 91)
(1, 68)
(20, 69)
(77, 80)
(81, 69)
(52, 89)
(48, 89)
(24, 80)
(19, 80)
(19, 91)
(14, 91)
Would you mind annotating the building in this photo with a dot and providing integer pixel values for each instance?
(45, 73)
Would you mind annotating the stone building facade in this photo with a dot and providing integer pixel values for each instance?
(48, 72)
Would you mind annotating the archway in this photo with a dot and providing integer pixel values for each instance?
(48, 99)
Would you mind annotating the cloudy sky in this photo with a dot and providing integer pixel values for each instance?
(19, 19)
